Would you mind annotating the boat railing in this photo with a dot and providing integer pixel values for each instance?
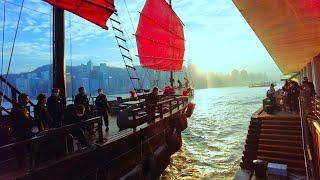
(162, 107)
(310, 114)
(27, 151)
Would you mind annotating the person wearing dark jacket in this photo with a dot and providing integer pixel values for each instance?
(75, 114)
(82, 99)
(56, 106)
(151, 102)
(22, 123)
(103, 107)
(41, 114)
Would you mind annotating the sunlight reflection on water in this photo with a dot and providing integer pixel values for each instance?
(213, 142)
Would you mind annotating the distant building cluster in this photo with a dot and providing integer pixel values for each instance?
(111, 79)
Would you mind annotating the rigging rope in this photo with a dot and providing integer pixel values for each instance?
(13, 45)
(3, 29)
(2, 48)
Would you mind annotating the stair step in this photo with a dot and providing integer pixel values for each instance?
(284, 127)
(281, 132)
(281, 148)
(289, 162)
(282, 137)
(253, 136)
(280, 154)
(280, 142)
(251, 147)
(250, 154)
(281, 122)
(252, 141)
(297, 170)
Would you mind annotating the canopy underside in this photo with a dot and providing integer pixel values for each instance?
(289, 29)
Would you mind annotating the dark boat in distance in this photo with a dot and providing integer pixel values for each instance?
(146, 139)
(262, 84)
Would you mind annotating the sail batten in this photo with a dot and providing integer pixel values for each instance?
(160, 37)
(95, 11)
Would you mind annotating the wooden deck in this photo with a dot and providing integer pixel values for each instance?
(276, 138)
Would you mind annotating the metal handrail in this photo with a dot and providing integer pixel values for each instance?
(311, 131)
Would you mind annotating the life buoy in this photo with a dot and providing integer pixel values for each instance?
(123, 121)
(181, 122)
(135, 173)
(157, 162)
(190, 109)
(174, 143)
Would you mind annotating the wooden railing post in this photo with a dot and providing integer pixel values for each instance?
(100, 132)
(170, 107)
(13, 96)
(161, 111)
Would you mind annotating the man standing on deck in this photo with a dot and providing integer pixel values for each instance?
(151, 102)
(82, 99)
(56, 105)
(103, 107)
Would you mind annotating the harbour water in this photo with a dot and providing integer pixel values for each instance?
(213, 142)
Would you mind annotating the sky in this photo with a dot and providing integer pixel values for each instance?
(217, 36)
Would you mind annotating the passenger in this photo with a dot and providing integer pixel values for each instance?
(133, 95)
(41, 114)
(151, 103)
(187, 83)
(56, 105)
(22, 123)
(295, 92)
(75, 114)
(82, 99)
(308, 88)
(179, 84)
(271, 94)
(285, 92)
(103, 107)
(307, 93)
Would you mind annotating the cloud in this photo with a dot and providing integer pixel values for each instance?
(216, 34)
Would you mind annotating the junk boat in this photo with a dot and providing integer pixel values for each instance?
(142, 149)
(290, 31)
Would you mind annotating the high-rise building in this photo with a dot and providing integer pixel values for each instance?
(89, 66)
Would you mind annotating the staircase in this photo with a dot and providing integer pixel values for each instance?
(276, 140)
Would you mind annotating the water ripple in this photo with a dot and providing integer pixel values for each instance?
(213, 142)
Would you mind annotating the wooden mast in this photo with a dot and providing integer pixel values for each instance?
(59, 80)
(171, 73)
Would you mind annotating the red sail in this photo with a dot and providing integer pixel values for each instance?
(160, 37)
(95, 11)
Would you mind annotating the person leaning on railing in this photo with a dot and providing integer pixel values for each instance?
(41, 114)
(76, 114)
(151, 103)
